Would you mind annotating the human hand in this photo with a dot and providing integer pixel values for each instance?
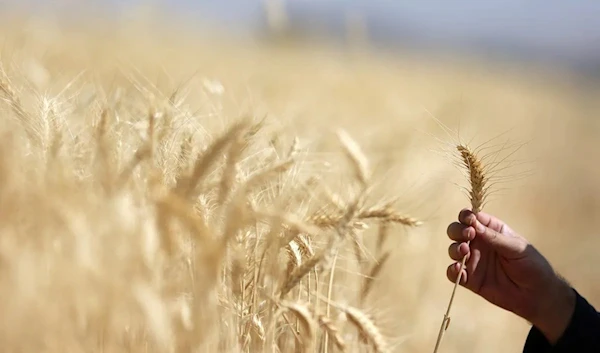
(506, 270)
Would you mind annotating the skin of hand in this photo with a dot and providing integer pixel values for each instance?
(506, 270)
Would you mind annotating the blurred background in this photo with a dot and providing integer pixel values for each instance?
(536, 32)
(383, 70)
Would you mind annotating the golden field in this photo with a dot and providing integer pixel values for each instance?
(134, 219)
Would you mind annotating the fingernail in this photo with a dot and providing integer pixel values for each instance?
(480, 228)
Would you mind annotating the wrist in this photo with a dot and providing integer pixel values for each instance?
(555, 310)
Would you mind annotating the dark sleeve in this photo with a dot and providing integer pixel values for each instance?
(582, 334)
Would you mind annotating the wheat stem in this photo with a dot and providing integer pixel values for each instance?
(477, 181)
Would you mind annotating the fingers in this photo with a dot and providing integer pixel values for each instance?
(460, 232)
(452, 273)
(457, 251)
(508, 246)
(467, 217)
(490, 230)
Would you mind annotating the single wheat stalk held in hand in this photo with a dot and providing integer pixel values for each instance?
(477, 193)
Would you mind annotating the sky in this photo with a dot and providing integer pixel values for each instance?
(564, 30)
(567, 31)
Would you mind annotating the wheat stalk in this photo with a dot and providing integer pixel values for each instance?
(375, 271)
(198, 213)
(477, 194)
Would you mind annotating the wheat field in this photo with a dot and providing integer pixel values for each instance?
(163, 191)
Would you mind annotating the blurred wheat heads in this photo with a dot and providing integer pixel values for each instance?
(168, 242)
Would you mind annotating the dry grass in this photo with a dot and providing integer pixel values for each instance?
(162, 194)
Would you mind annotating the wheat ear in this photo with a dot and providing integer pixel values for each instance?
(477, 194)
(367, 329)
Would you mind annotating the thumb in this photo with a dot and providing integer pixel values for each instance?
(505, 242)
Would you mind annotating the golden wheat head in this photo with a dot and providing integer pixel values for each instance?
(477, 177)
(477, 194)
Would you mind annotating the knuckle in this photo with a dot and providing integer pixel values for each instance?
(467, 233)
(452, 249)
(523, 245)
(450, 228)
(450, 273)
(491, 234)
(466, 216)
(457, 231)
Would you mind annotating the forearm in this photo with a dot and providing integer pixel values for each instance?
(556, 309)
(581, 334)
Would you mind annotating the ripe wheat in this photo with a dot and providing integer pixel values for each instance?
(477, 193)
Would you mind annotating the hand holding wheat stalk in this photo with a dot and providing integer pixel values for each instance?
(477, 193)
